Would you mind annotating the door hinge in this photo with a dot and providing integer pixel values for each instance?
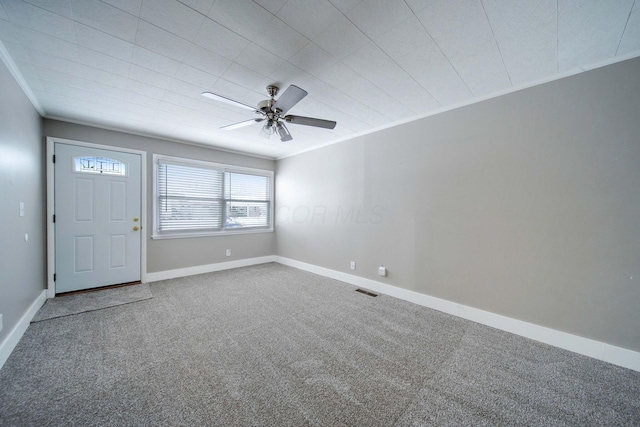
(54, 158)
(54, 277)
(54, 218)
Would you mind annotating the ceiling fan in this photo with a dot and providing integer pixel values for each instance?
(273, 111)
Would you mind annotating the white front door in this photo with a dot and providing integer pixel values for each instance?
(97, 217)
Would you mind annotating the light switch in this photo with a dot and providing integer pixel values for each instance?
(21, 208)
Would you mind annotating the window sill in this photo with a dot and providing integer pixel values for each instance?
(188, 235)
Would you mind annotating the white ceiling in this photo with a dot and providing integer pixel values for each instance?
(140, 65)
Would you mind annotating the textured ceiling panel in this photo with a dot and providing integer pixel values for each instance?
(374, 17)
(131, 6)
(41, 42)
(219, 39)
(280, 39)
(141, 65)
(272, 6)
(526, 34)
(60, 7)
(404, 39)
(36, 18)
(589, 30)
(374, 65)
(205, 60)
(414, 50)
(176, 17)
(107, 18)
(161, 41)
(241, 16)
(201, 6)
(259, 59)
(3, 14)
(243, 76)
(104, 62)
(313, 59)
(102, 42)
(461, 29)
(341, 39)
(345, 6)
(55, 63)
(309, 17)
(192, 75)
(631, 39)
(155, 61)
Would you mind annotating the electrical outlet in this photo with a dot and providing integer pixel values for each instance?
(228, 252)
(382, 271)
(353, 265)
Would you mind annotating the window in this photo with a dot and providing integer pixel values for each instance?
(93, 164)
(202, 198)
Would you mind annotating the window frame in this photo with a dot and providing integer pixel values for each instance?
(224, 168)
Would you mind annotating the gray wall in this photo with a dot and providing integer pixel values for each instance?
(526, 205)
(22, 264)
(169, 254)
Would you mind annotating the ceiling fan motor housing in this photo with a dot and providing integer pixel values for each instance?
(266, 105)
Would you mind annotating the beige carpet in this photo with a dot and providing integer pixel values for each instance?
(271, 345)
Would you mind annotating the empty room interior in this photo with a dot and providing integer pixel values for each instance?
(319, 212)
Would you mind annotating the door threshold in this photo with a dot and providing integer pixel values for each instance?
(100, 288)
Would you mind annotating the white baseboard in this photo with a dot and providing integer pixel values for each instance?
(616, 355)
(209, 268)
(7, 346)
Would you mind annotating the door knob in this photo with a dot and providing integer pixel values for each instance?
(136, 228)
(136, 219)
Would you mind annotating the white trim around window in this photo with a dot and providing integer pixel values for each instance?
(203, 198)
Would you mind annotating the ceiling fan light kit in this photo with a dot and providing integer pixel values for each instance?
(273, 111)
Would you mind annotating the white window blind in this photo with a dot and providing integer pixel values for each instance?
(208, 198)
(247, 200)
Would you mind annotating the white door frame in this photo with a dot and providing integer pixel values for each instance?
(51, 236)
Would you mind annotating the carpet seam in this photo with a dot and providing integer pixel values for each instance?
(91, 310)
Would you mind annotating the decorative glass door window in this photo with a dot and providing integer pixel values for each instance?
(92, 164)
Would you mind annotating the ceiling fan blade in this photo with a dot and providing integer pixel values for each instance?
(283, 132)
(310, 121)
(227, 100)
(241, 124)
(289, 98)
